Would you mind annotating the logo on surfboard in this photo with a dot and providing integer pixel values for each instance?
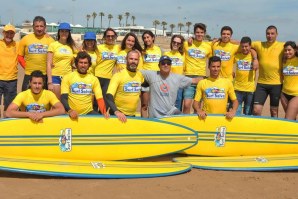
(65, 140)
(220, 136)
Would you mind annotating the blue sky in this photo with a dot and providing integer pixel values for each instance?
(245, 17)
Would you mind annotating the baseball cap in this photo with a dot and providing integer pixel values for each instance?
(90, 36)
(9, 27)
(162, 58)
(64, 26)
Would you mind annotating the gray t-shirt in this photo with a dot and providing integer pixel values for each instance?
(163, 92)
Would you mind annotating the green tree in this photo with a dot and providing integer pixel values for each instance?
(133, 18)
(180, 26)
(120, 17)
(127, 15)
(88, 18)
(172, 26)
(94, 16)
(188, 24)
(101, 14)
(110, 17)
(155, 24)
(163, 24)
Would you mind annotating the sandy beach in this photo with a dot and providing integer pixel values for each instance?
(194, 184)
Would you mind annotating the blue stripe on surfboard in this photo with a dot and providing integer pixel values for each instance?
(202, 133)
(84, 175)
(251, 141)
(103, 135)
(111, 143)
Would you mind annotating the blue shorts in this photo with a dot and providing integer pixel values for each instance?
(57, 80)
(190, 91)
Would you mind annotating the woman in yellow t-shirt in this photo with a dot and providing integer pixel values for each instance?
(129, 42)
(60, 58)
(90, 46)
(151, 55)
(289, 95)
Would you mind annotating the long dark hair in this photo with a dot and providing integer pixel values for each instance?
(137, 45)
(69, 41)
(149, 33)
(293, 45)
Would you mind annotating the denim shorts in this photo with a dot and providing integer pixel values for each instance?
(57, 80)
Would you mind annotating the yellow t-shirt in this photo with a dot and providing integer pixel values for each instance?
(80, 88)
(151, 58)
(215, 93)
(35, 51)
(125, 86)
(290, 73)
(107, 61)
(29, 102)
(177, 61)
(245, 74)
(62, 58)
(121, 60)
(196, 56)
(270, 61)
(226, 52)
(8, 61)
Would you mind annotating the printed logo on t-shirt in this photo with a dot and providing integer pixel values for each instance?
(151, 58)
(132, 87)
(34, 107)
(196, 53)
(224, 56)
(38, 49)
(215, 93)
(121, 59)
(176, 61)
(109, 56)
(164, 89)
(81, 88)
(290, 70)
(244, 65)
(64, 51)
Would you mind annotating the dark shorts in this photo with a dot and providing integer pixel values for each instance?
(288, 97)
(262, 92)
(57, 80)
(9, 90)
(26, 80)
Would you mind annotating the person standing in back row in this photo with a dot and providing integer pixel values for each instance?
(33, 49)
(270, 55)
(8, 65)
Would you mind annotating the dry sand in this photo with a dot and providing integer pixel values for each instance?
(194, 184)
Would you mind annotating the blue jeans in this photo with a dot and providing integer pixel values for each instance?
(247, 99)
(179, 99)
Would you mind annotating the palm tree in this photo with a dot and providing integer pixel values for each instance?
(120, 18)
(94, 16)
(88, 18)
(188, 24)
(163, 23)
(110, 17)
(180, 25)
(155, 24)
(207, 37)
(133, 18)
(101, 14)
(127, 15)
(172, 26)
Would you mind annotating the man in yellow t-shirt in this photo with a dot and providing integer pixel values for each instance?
(214, 92)
(226, 51)
(196, 57)
(35, 103)
(125, 87)
(8, 65)
(270, 55)
(78, 87)
(244, 83)
(33, 48)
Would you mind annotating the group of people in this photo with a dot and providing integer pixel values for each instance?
(63, 77)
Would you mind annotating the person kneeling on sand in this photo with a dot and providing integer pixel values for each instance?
(78, 87)
(35, 103)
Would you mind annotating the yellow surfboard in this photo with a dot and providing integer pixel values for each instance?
(244, 163)
(90, 169)
(93, 137)
(243, 135)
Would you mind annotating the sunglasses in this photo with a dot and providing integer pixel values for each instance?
(176, 43)
(110, 36)
(166, 63)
